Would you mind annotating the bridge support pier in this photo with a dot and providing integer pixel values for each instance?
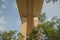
(29, 10)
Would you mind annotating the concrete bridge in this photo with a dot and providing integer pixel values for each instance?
(29, 10)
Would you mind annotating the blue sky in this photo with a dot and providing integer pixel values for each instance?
(9, 15)
(52, 9)
(12, 16)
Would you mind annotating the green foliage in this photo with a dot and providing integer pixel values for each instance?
(48, 1)
(20, 36)
(8, 35)
(51, 29)
(11, 35)
(42, 17)
(35, 34)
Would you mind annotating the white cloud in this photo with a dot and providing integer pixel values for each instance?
(3, 0)
(4, 6)
(2, 23)
(2, 20)
(1, 11)
(2, 28)
(48, 19)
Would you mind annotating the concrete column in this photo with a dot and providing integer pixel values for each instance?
(24, 26)
(30, 9)
(36, 21)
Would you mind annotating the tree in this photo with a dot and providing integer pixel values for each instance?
(48, 1)
(11, 35)
(8, 35)
(20, 36)
(48, 30)
(35, 34)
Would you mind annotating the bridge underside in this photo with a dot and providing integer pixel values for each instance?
(29, 11)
